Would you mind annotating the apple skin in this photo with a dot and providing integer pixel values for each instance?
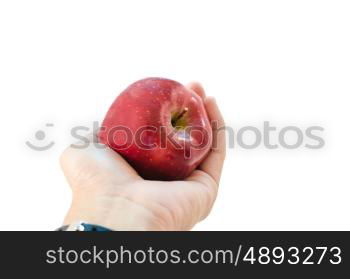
(164, 110)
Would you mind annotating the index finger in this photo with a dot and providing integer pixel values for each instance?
(213, 164)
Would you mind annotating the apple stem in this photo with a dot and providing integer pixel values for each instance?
(178, 117)
(181, 114)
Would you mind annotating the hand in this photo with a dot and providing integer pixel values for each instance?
(107, 191)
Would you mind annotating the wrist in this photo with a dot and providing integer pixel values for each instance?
(115, 213)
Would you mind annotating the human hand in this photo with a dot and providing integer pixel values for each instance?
(107, 191)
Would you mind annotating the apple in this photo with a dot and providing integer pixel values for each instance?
(160, 127)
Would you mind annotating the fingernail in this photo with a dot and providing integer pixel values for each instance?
(211, 98)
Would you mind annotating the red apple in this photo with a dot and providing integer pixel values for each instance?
(160, 127)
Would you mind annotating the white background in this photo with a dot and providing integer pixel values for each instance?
(287, 62)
